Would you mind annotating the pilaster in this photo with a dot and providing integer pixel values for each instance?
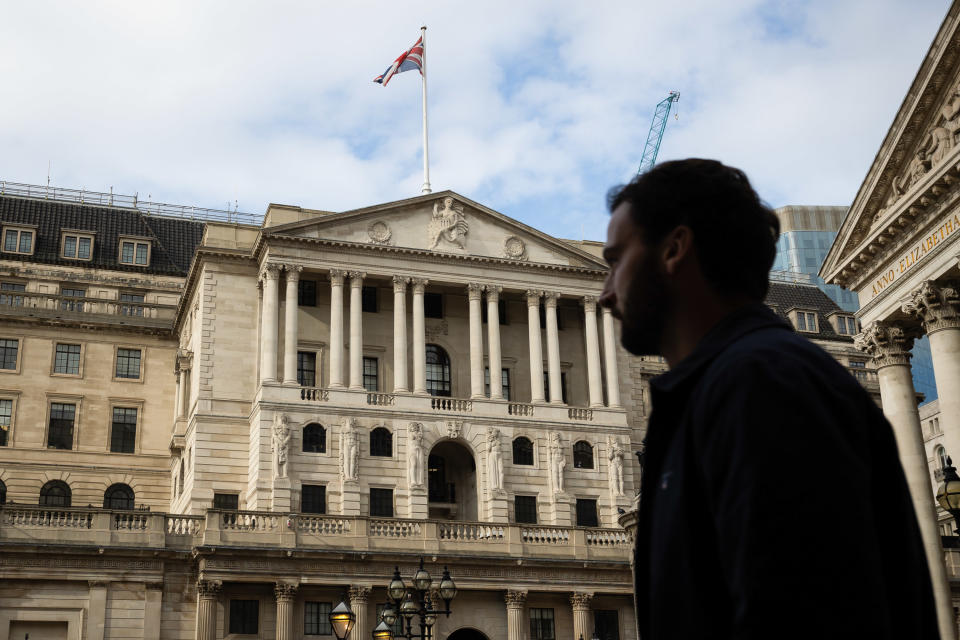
(516, 601)
(359, 595)
(208, 592)
(286, 595)
(580, 603)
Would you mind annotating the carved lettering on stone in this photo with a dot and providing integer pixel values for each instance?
(280, 444)
(415, 456)
(448, 223)
(349, 451)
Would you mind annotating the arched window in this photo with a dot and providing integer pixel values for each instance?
(381, 442)
(438, 371)
(314, 438)
(118, 496)
(55, 494)
(582, 455)
(522, 451)
(3, 493)
(942, 457)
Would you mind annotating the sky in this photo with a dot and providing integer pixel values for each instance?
(536, 107)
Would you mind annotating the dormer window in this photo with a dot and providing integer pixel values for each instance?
(846, 325)
(805, 321)
(135, 251)
(76, 245)
(18, 239)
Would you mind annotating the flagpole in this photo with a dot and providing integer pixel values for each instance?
(426, 148)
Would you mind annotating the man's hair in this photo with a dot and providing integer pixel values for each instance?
(734, 233)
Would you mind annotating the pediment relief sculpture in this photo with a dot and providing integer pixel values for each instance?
(448, 223)
(379, 232)
(514, 248)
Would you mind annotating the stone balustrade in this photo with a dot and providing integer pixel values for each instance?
(138, 529)
(45, 305)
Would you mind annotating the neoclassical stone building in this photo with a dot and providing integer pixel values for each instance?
(898, 250)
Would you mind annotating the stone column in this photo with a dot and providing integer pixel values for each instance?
(268, 342)
(419, 338)
(208, 592)
(516, 601)
(356, 329)
(582, 624)
(536, 350)
(152, 608)
(475, 297)
(336, 328)
(610, 359)
(493, 341)
(290, 331)
(358, 602)
(286, 595)
(593, 351)
(889, 346)
(400, 334)
(553, 348)
(937, 306)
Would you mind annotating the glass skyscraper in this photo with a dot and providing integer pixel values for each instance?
(806, 234)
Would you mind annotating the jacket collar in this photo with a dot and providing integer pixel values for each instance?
(735, 325)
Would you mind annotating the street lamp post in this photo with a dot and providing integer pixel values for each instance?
(409, 603)
(948, 494)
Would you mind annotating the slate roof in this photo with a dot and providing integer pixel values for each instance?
(784, 296)
(174, 240)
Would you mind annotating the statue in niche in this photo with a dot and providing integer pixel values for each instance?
(415, 456)
(558, 462)
(349, 450)
(448, 223)
(616, 468)
(279, 445)
(494, 460)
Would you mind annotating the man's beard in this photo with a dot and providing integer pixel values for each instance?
(644, 311)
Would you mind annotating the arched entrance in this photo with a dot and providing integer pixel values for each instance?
(466, 634)
(452, 482)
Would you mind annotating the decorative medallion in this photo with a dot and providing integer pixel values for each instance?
(379, 232)
(514, 248)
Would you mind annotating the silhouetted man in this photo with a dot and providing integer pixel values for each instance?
(773, 502)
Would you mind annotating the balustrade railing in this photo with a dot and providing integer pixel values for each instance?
(451, 404)
(325, 525)
(545, 535)
(606, 538)
(395, 528)
(380, 399)
(314, 394)
(52, 518)
(49, 304)
(580, 413)
(519, 409)
(470, 531)
(179, 525)
(261, 521)
(130, 521)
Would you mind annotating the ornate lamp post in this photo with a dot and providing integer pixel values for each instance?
(948, 494)
(342, 619)
(409, 603)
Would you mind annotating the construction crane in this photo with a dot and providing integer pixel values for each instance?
(655, 135)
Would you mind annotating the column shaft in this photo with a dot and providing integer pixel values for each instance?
(516, 601)
(593, 351)
(493, 341)
(268, 342)
(553, 349)
(474, 295)
(945, 349)
(336, 328)
(400, 334)
(285, 594)
(356, 330)
(207, 594)
(610, 359)
(536, 350)
(582, 627)
(419, 338)
(290, 332)
(358, 602)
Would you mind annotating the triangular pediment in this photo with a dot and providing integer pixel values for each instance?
(921, 145)
(443, 223)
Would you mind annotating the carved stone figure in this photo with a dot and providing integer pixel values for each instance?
(279, 444)
(616, 468)
(454, 429)
(447, 223)
(494, 460)
(558, 462)
(349, 450)
(937, 144)
(415, 455)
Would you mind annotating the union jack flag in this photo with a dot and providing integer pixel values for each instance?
(409, 60)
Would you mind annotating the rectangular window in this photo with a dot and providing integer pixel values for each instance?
(397, 627)
(67, 359)
(307, 368)
(368, 297)
(12, 300)
(587, 513)
(18, 241)
(128, 364)
(381, 503)
(6, 419)
(135, 252)
(433, 305)
(245, 617)
(371, 381)
(77, 246)
(307, 293)
(606, 624)
(852, 326)
(541, 624)
(525, 509)
(504, 382)
(316, 619)
(806, 321)
(60, 433)
(8, 354)
(130, 304)
(226, 501)
(72, 299)
(123, 434)
(313, 498)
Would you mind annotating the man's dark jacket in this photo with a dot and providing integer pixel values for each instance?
(773, 502)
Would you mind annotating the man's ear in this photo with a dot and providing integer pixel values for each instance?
(676, 248)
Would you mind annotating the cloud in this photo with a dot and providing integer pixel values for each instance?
(536, 108)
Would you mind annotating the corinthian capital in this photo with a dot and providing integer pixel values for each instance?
(515, 598)
(493, 292)
(209, 588)
(400, 284)
(293, 272)
(887, 343)
(337, 276)
(285, 591)
(590, 303)
(359, 594)
(533, 297)
(418, 284)
(474, 291)
(550, 299)
(936, 305)
(356, 278)
(270, 271)
(580, 601)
